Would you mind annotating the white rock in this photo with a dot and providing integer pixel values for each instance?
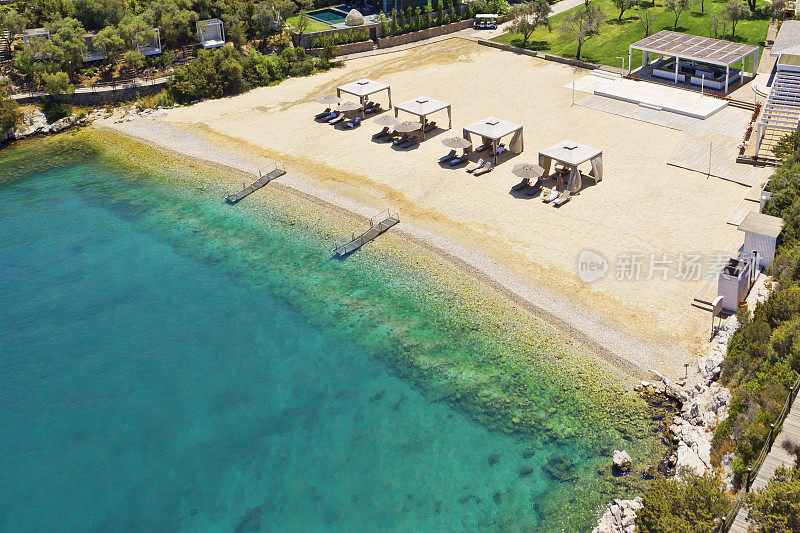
(354, 18)
(622, 461)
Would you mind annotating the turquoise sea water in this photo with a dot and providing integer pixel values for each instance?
(171, 363)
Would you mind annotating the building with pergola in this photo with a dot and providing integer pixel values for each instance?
(693, 60)
(422, 106)
(363, 89)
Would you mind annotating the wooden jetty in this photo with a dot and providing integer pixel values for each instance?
(367, 231)
(771, 458)
(263, 176)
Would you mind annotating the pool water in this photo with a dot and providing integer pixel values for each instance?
(328, 15)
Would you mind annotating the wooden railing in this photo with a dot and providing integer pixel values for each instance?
(363, 229)
(752, 472)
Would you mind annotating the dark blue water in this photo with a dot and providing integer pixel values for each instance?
(146, 385)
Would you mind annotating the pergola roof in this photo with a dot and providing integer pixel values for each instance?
(570, 152)
(421, 106)
(705, 49)
(493, 128)
(788, 39)
(762, 224)
(362, 88)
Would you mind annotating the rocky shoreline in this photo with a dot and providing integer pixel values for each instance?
(704, 404)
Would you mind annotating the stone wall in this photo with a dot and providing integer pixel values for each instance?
(305, 39)
(549, 57)
(345, 49)
(105, 95)
(436, 31)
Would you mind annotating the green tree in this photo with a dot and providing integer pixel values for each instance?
(426, 17)
(109, 41)
(40, 12)
(13, 23)
(9, 112)
(788, 147)
(529, 16)
(646, 20)
(439, 13)
(582, 25)
(735, 10)
(302, 23)
(133, 60)
(98, 14)
(776, 507)
(687, 505)
(623, 6)
(394, 27)
(677, 8)
(68, 46)
(57, 85)
(175, 21)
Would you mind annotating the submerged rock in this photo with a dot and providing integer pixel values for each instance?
(622, 461)
(494, 458)
(560, 467)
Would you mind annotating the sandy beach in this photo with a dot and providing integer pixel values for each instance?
(642, 209)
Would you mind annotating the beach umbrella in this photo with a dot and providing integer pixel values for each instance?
(408, 126)
(349, 106)
(456, 142)
(329, 100)
(386, 120)
(527, 170)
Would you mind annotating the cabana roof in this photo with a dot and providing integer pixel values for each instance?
(762, 224)
(704, 49)
(493, 128)
(570, 152)
(788, 39)
(363, 87)
(34, 32)
(422, 105)
(212, 33)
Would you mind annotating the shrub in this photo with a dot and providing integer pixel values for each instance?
(9, 112)
(774, 508)
(688, 505)
(213, 74)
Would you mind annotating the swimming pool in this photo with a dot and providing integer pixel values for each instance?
(328, 15)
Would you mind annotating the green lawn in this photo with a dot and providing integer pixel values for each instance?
(313, 25)
(615, 36)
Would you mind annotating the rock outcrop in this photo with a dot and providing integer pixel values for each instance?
(354, 18)
(620, 517)
(622, 461)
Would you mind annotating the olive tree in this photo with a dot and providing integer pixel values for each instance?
(529, 16)
(677, 8)
(735, 10)
(581, 26)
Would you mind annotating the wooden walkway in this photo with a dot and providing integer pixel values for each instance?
(776, 458)
(255, 182)
(367, 231)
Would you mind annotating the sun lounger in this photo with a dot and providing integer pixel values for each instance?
(320, 115)
(335, 118)
(372, 107)
(410, 142)
(475, 166)
(457, 160)
(353, 123)
(549, 195)
(536, 187)
(383, 133)
(521, 185)
(481, 148)
(562, 198)
(400, 140)
(329, 116)
(501, 148)
(430, 126)
(487, 167)
(448, 157)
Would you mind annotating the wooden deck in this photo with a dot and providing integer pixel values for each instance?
(255, 182)
(367, 231)
(777, 457)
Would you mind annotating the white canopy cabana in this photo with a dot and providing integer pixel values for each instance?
(35, 40)
(148, 42)
(363, 89)
(211, 33)
(573, 154)
(492, 129)
(422, 106)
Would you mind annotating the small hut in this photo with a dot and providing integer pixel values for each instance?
(492, 129)
(93, 53)
(211, 33)
(760, 236)
(35, 40)
(148, 42)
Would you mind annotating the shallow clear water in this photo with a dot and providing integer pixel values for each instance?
(173, 363)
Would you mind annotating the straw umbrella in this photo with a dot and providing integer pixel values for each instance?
(527, 170)
(456, 142)
(329, 100)
(386, 120)
(349, 106)
(408, 126)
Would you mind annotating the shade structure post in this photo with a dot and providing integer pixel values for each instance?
(449, 117)
(424, 121)
(630, 56)
(494, 150)
(727, 76)
(390, 97)
(677, 63)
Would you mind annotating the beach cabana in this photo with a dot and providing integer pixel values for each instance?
(572, 154)
(148, 42)
(706, 62)
(211, 33)
(35, 39)
(422, 106)
(92, 52)
(492, 129)
(363, 89)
